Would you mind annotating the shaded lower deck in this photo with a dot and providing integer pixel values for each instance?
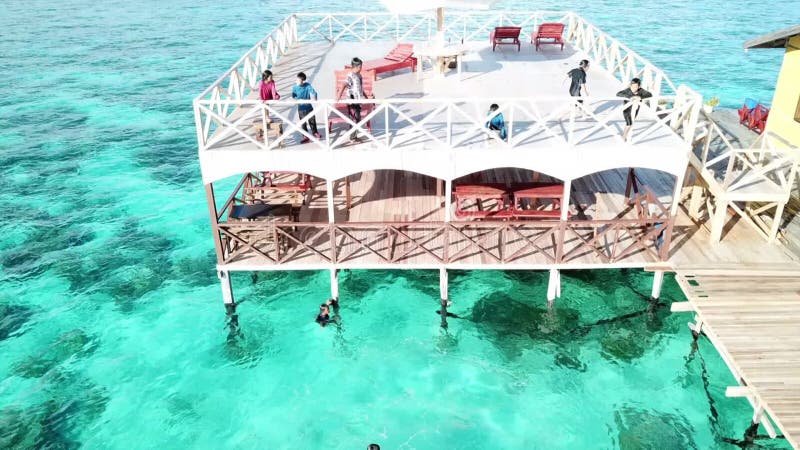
(397, 219)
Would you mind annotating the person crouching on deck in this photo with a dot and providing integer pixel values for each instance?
(497, 122)
(304, 91)
(354, 84)
(634, 94)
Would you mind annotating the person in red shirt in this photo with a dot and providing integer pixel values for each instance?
(267, 89)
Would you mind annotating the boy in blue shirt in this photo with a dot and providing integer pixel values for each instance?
(304, 91)
(497, 123)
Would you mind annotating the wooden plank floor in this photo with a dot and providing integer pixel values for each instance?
(752, 316)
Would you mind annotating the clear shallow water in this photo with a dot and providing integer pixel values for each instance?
(112, 333)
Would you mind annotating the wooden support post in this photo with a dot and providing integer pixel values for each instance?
(448, 199)
(553, 286)
(212, 211)
(329, 194)
(227, 289)
(439, 187)
(696, 327)
(443, 295)
(718, 219)
(347, 193)
(776, 222)
(695, 201)
(658, 280)
(335, 283)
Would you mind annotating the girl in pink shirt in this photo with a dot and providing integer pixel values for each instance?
(267, 89)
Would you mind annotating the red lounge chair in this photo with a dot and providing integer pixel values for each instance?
(368, 76)
(758, 119)
(501, 36)
(747, 110)
(399, 58)
(548, 33)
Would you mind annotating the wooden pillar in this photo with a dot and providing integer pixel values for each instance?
(718, 219)
(448, 200)
(227, 289)
(553, 286)
(329, 193)
(335, 283)
(443, 295)
(776, 222)
(695, 200)
(696, 327)
(658, 281)
(347, 193)
(212, 211)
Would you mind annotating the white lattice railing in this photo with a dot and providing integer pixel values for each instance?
(402, 122)
(772, 168)
(226, 109)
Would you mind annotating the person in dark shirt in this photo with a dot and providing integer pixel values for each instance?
(634, 94)
(324, 316)
(578, 79)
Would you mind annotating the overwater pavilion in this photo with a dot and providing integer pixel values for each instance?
(416, 192)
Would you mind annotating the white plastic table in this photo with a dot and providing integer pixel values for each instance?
(436, 54)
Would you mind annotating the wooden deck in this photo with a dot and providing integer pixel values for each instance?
(380, 197)
(752, 316)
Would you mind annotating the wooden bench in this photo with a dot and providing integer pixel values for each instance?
(261, 191)
(400, 57)
(368, 78)
(480, 193)
(501, 36)
(505, 209)
(548, 33)
(274, 130)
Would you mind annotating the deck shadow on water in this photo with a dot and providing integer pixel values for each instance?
(642, 429)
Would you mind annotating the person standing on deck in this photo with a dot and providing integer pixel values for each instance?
(354, 84)
(304, 91)
(577, 79)
(267, 91)
(634, 94)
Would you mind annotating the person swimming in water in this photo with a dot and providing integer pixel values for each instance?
(324, 316)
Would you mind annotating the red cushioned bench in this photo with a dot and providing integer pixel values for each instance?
(501, 36)
(401, 57)
(504, 209)
(548, 33)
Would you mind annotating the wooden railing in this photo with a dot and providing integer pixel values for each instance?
(466, 243)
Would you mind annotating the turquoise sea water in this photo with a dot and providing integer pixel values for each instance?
(112, 331)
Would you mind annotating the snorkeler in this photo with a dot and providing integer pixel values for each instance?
(324, 316)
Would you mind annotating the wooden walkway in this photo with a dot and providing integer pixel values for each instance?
(752, 316)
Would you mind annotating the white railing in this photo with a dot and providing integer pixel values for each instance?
(404, 122)
(227, 108)
(421, 27)
(771, 167)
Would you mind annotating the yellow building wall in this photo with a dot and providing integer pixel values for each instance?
(787, 94)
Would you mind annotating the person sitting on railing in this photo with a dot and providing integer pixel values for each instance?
(355, 90)
(634, 94)
(497, 122)
(304, 91)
